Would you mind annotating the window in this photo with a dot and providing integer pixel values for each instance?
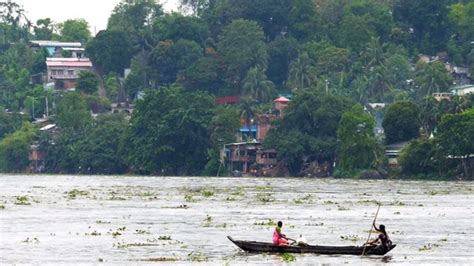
(70, 72)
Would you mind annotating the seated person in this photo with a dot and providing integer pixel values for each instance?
(278, 237)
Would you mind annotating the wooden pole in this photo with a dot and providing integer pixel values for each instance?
(370, 231)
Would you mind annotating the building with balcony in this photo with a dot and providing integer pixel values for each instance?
(65, 71)
(249, 158)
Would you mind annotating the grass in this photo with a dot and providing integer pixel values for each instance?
(148, 194)
(305, 199)
(73, 194)
(22, 200)
(269, 222)
(142, 232)
(94, 233)
(314, 224)
(164, 238)
(353, 238)
(265, 197)
(207, 193)
(189, 198)
(287, 257)
(197, 257)
(160, 259)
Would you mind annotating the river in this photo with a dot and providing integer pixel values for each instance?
(186, 220)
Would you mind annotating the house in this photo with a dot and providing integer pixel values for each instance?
(259, 127)
(36, 158)
(248, 131)
(225, 100)
(264, 124)
(392, 151)
(239, 156)
(463, 90)
(65, 71)
(248, 158)
(54, 48)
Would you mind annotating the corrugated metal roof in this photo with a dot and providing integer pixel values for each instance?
(83, 62)
(57, 44)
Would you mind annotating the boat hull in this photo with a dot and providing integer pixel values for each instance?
(254, 246)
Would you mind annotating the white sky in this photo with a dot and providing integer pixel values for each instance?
(96, 12)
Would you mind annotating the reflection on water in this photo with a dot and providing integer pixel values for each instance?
(91, 219)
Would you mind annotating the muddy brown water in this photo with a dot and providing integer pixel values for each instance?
(185, 220)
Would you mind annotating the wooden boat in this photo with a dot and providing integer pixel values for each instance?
(254, 246)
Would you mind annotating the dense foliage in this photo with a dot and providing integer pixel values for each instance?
(330, 55)
(401, 122)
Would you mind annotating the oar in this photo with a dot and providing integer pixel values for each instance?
(370, 231)
(290, 239)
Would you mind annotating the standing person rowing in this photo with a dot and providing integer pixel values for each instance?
(382, 240)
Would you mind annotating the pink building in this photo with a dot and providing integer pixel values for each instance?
(65, 71)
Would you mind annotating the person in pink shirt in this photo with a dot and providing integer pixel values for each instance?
(278, 237)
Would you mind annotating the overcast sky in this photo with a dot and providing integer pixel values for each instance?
(96, 12)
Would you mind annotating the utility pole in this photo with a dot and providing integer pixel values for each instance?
(47, 108)
(33, 101)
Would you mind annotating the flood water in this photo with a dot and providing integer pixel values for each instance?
(176, 220)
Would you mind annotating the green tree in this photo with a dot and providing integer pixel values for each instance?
(224, 124)
(44, 29)
(169, 131)
(169, 58)
(456, 139)
(73, 113)
(98, 151)
(176, 26)
(257, 86)
(203, 75)
(303, 20)
(308, 129)
(241, 45)
(87, 82)
(110, 51)
(401, 122)
(74, 30)
(281, 52)
(135, 18)
(429, 114)
(15, 149)
(6, 124)
(247, 111)
(357, 144)
(428, 21)
(15, 26)
(302, 72)
(419, 158)
(431, 77)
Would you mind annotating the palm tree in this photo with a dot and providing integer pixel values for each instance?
(374, 53)
(378, 83)
(247, 111)
(256, 85)
(302, 71)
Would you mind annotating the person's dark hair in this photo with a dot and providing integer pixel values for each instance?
(382, 228)
(280, 224)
